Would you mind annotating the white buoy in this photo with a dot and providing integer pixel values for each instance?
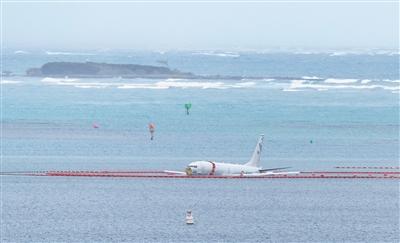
(189, 217)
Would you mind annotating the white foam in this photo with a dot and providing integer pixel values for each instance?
(218, 54)
(330, 52)
(390, 87)
(292, 90)
(202, 85)
(303, 53)
(296, 83)
(394, 81)
(9, 82)
(340, 81)
(140, 86)
(21, 52)
(243, 85)
(68, 53)
(167, 84)
(310, 78)
(174, 79)
(76, 83)
(301, 84)
(227, 55)
(94, 85)
(338, 53)
(387, 52)
(90, 86)
(268, 79)
(58, 80)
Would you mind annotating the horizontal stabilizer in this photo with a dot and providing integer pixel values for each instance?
(273, 169)
(285, 173)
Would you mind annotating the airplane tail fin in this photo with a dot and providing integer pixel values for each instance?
(255, 158)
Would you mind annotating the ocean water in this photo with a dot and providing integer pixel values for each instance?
(347, 104)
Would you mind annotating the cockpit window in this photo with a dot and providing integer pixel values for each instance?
(193, 166)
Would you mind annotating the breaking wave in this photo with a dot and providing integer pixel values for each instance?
(75, 83)
(217, 54)
(268, 79)
(330, 52)
(52, 53)
(365, 52)
(392, 81)
(340, 81)
(284, 85)
(19, 52)
(185, 85)
(166, 84)
(365, 81)
(339, 53)
(58, 80)
(311, 78)
(301, 85)
(9, 82)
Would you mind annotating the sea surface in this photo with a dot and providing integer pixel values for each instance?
(318, 110)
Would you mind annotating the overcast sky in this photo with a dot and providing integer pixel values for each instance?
(165, 26)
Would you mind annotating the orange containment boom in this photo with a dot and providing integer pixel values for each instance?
(163, 174)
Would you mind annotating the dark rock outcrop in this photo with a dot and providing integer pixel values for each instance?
(93, 69)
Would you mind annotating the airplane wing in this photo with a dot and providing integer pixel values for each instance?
(174, 172)
(270, 173)
(284, 173)
(273, 169)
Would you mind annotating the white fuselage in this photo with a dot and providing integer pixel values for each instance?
(214, 168)
(251, 169)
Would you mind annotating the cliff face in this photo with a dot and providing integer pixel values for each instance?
(93, 69)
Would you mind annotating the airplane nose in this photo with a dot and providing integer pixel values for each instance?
(188, 171)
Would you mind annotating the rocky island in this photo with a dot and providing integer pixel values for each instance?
(105, 70)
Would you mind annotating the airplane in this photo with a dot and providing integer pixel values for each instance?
(251, 168)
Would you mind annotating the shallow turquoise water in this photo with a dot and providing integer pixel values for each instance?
(48, 126)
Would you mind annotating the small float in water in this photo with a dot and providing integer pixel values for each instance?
(187, 107)
(152, 129)
(189, 217)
